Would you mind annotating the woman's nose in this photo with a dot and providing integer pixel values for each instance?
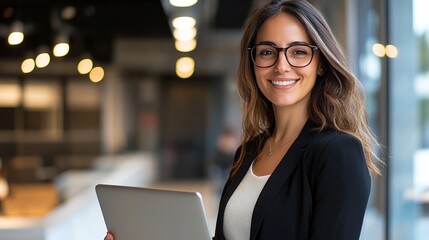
(282, 64)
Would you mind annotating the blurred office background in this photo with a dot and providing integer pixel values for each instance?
(156, 97)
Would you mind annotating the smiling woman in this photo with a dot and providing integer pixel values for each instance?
(305, 133)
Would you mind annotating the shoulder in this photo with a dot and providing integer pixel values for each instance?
(330, 140)
(335, 150)
(336, 159)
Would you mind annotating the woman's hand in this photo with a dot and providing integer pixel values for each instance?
(109, 236)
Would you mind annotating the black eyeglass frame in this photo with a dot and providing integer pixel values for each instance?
(278, 49)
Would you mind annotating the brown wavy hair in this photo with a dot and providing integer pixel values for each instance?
(337, 99)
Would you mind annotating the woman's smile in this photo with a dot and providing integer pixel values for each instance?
(284, 83)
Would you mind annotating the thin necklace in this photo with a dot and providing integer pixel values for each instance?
(270, 150)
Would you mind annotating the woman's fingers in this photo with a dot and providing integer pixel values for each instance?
(109, 236)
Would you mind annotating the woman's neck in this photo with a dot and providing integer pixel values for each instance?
(288, 123)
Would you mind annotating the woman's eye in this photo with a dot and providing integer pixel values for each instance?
(266, 52)
(300, 52)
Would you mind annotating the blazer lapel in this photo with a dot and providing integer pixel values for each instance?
(280, 175)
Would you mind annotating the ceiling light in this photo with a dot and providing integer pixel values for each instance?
(185, 46)
(185, 67)
(43, 58)
(184, 22)
(96, 74)
(16, 35)
(62, 46)
(15, 38)
(185, 34)
(183, 3)
(28, 65)
(84, 66)
(61, 49)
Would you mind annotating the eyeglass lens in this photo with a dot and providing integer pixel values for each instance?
(296, 55)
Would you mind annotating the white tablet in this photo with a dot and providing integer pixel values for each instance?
(152, 214)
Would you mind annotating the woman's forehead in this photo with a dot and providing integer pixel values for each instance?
(282, 29)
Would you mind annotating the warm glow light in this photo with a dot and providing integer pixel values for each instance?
(10, 94)
(40, 96)
(183, 3)
(4, 188)
(15, 38)
(42, 60)
(61, 49)
(378, 50)
(28, 65)
(184, 22)
(68, 12)
(84, 66)
(185, 67)
(186, 46)
(185, 34)
(96, 74)
(16, 35)
(391, 51)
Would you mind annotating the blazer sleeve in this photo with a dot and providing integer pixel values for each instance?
(341, 186)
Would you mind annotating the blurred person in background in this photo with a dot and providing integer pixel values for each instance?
(220, 165)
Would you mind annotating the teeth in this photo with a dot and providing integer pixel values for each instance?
(283, 83)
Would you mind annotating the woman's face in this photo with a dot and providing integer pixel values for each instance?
(283, 84)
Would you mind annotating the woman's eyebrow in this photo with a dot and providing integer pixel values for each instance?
(290, 44)
(267, 42)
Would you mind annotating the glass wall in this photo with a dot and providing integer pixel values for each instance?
(408, 120)
(360, 27)
(366, 32)
(388, 44)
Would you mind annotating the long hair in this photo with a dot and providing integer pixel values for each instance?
(337, 99)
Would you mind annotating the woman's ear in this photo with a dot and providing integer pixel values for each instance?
(321, 68)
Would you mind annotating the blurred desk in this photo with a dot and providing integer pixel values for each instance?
(30, 199)
(79, 216)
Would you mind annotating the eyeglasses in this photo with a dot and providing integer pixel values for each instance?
(297, 55)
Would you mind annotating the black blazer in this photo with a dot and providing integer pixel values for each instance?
(319, 190)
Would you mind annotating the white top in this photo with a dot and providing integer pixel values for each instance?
(239, 209)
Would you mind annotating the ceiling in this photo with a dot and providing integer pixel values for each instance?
(97, 23)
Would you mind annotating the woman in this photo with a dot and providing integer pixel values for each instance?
(302, 171)
(303, 168)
